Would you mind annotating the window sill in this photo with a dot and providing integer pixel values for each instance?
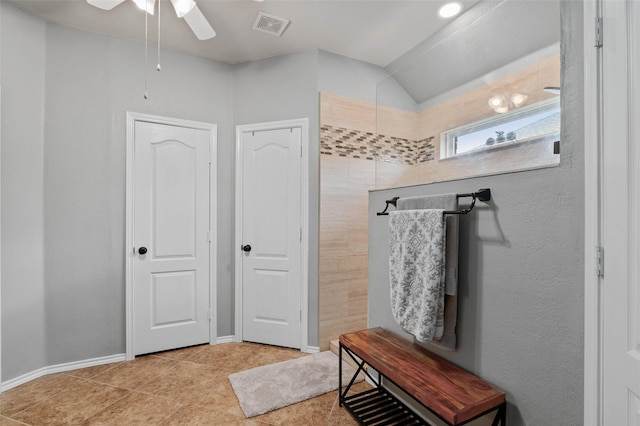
(504, 145)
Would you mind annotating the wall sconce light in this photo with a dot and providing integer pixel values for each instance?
(502, 103)
(518, 99)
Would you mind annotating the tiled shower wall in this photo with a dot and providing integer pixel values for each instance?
(351, 149)
(343, 245)
(345, 177)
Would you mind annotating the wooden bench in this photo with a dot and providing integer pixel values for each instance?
(453, 394)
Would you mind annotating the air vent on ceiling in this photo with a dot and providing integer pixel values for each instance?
(270, 24)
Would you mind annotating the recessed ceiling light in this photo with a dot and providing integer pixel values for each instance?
(450, 9)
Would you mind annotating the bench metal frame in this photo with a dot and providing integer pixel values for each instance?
(378, 406)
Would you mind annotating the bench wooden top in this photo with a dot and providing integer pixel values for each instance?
(450, 391)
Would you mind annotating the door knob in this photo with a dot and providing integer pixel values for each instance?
(246, 248)
(142, 250)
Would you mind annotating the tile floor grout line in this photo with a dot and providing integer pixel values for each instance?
(178, 407)
(2, 416)
(175, 363)
(104, 408)
(12, 417)
(333, 406)
(114, 365)
(128, 394)
(169, 368)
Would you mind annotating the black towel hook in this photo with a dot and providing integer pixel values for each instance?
(390, 202)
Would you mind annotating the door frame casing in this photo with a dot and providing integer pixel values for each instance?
(602, 144)
(132, 118)
(593, 397)
(303, 124)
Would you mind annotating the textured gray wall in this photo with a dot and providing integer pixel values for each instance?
(283, 88)
(356, 79)
(65, 96)
(520, 313)
(92, 80)
(23, 65)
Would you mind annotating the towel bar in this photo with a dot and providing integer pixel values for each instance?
(481, 194)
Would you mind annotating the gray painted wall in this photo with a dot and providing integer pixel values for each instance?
(23, 65)
(76, 187)
(63, 186)
(283, 88)
(356, 79)
(520, 313)
(92, 80)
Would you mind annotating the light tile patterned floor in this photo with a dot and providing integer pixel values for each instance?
(182, 387)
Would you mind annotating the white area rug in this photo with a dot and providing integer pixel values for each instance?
(274, 386)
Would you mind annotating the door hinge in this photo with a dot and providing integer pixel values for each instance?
(300, 151)
(300, 314)
(598, 32)
(209, 236)
(300, 234)
(209, 315)
(600, 261)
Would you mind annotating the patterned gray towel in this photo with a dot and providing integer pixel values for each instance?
(417, 271)
(447, 202)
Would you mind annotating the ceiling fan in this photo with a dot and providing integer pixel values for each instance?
(186, 9)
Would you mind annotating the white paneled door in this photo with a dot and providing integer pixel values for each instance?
(620, 285)
(271, 236)
(171, 262)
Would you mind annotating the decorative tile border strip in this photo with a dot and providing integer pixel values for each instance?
(343, 142)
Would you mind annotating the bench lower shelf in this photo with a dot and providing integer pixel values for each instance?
(378, 407)
(452, 394)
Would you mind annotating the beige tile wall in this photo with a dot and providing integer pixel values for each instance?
(343, 245)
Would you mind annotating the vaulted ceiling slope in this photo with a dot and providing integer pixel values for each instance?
(373, 31)
(485, 42)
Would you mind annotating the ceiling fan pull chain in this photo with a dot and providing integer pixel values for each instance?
(146, 55)
(159, 7)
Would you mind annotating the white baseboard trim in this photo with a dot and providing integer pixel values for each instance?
(310, 349)
(225, 339)
(59, 368)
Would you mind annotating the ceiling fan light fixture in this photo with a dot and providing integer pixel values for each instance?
(183, 7)
(199, 24)
(146, 5)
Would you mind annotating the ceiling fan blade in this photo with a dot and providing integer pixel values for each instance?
(105, 4)
(199, 24)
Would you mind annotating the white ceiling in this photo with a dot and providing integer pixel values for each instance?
(373, 31)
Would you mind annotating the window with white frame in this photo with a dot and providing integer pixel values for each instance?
(527, 124)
